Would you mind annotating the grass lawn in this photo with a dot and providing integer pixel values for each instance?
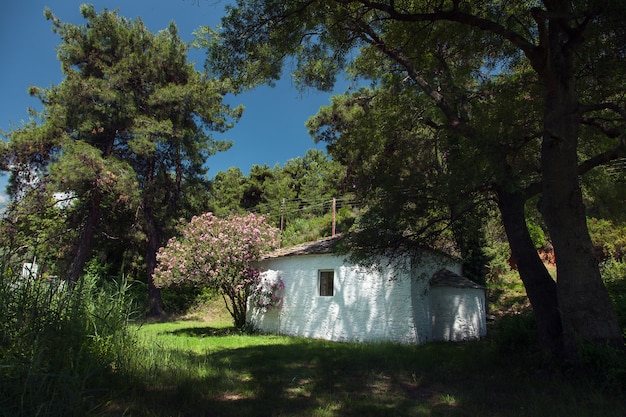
(206, 368)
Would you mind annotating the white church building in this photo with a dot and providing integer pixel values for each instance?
(410, 300)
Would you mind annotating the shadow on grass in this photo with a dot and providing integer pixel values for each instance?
(205, 331)
(300, 377)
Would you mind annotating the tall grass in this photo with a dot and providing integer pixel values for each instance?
(59, 345)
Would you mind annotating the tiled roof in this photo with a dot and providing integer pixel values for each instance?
(447, 278)
(317, 247)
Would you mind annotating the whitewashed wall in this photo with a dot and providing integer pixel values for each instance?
(390, 303)
(457, 314)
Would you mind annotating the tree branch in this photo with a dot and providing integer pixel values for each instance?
(459, 17)
(439, 99)
(603, 158)
(611, 132)
(588, 108)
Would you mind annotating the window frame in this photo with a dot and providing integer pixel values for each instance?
(324, 288)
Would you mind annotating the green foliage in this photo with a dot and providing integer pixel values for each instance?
(497, 250)
(604, 189)
(499, 255)
(312, 228)
(515, 334)
(305, 230)
(536, 234)
(299, 195)
(408, 176)
(35, 227)
(60, 346)
(614, 277)
(608, 236)
(182, 298)
(227, 190)
(606, 364)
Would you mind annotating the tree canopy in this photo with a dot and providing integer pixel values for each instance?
(521, 98)
(126, 131)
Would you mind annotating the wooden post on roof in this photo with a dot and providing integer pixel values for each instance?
(334, 210)
(282, 222)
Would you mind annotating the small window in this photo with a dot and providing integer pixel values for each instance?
(327, 283)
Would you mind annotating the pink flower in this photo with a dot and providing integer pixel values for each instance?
(214, 252)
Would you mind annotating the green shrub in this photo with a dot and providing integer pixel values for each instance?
(605, 364)
(515, 334)
(306, 229)
(180, 299)
(498, 265)
(614, 277)
(537, 234)
(59, 345)
(608, 236)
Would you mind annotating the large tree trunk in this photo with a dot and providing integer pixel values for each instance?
(155, 303)
(540, 287)
(83, 246)
(587, 312)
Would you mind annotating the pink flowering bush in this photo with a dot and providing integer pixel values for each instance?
(267, 295)
(218, 253)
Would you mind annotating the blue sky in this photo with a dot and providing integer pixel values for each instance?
(271, 130)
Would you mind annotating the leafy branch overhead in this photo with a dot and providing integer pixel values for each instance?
(467, 102)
